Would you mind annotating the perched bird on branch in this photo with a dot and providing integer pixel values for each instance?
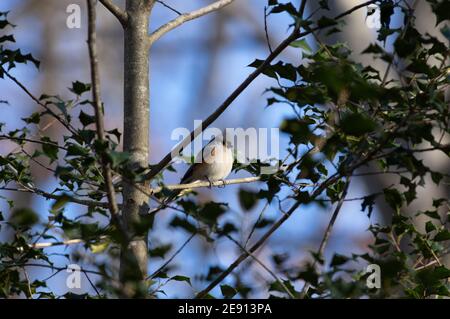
(213, 163)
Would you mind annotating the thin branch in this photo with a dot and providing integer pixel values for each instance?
(151, 191)
(91, 283)
(431, 263)
(49, 225)
(280, 282)
(120, 14)
(436, 258)
(169, 7)
(35, 99)
(28, 283)
(10, 265)
(301, 11)
(60, 243)
(156, 272)
(222, 108)
(353, 199)
(52, 275)
(22, 139)
(31, 158)
(398, 172)
(260, 216)
(95, 79)
(34, 190)
(186, 17)
(326, 235)
(205, 184)
(395, 241)
(266, 31)
(351, 10)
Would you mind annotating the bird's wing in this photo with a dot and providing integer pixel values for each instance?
(205, 156)
(188, 175)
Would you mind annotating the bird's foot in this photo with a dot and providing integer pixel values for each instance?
(210, 182)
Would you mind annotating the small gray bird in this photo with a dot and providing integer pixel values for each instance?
(213, 163)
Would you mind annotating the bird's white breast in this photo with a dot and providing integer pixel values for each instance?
(219, 163)
(222, 168)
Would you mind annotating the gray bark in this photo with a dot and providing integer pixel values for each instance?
(133, 263)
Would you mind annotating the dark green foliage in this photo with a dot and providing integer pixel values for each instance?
(228, 291)
(352, 115)
(79, 88)
(247, 199)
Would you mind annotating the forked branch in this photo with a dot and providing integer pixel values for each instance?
(120, 14)
(186, 17)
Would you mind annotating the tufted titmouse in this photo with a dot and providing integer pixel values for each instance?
(213, 163)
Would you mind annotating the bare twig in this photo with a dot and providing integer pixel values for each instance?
(156, 272)
(433, 262)
(326, 235)
(186, 17)
(302, 8)
(37, 191)
(205, 184)
(266, 268)
(260, 216)
(61, 243)
(91, 283)
(31, 158)
(22, 139)
(28, 283)
(266, 31)
(35, 99)
(55, 268)
(151, 191)
(168, 7)
(351, 10)
(114, 209)
(120, 14)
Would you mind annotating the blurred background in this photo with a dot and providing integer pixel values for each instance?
(192, 70)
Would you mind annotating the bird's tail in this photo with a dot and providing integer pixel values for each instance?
(170, 199)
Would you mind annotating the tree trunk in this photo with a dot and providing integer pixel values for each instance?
(133, 260)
